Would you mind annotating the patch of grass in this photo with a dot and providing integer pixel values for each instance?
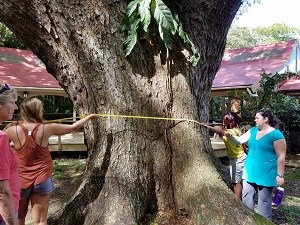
(68, 168)
(292, 213)
(261, 220)
(294, 200)
(295, 175)
(80, 167)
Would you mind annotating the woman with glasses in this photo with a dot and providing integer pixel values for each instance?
(9, 179)
(30, 138)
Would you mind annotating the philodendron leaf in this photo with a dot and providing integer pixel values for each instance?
(185, 37)
(130, 42)
(145, 14)
(166, 36)
(139, 14)
(164, 16)
(132, 7)
(131, 37)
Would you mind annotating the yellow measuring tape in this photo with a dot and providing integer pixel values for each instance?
(127, 116)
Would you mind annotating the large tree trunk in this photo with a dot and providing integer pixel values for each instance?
(136, 167)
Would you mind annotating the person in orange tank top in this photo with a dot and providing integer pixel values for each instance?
(30, 138)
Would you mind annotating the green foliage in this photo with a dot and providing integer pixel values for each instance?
(293, 213)
(68, 168)
(260, 220)
(295, 175)
(241, 37)
(246, 5)
(215, 108)
(276, 33)
(139, 17)
(268, 97)
(56, 104)
(9, 39)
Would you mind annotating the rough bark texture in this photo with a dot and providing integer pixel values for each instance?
(136, 167)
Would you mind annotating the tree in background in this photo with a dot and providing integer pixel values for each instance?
(243, 37)
(138, 168)
(9, 39)
(276, 33)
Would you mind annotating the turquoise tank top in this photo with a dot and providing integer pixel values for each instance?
(261, 162)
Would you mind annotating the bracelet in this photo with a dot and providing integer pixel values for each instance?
(281, 176)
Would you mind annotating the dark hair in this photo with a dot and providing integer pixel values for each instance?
(274, 121)
(233, 118)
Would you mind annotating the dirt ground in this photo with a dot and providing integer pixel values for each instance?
(281, 216)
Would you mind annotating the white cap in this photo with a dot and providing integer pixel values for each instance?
(280, 188)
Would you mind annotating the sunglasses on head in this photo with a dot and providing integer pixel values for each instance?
(5, 88)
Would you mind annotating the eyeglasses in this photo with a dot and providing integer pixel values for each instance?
(5, 88)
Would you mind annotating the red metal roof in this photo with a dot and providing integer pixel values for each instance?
(242, 67)
(292, 84)
(239, 67)
(21, 68)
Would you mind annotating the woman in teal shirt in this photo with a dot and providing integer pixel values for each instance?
(264, 167)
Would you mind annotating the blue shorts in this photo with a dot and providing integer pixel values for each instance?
(43, 188)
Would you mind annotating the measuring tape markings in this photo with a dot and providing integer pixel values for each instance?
(128, 116)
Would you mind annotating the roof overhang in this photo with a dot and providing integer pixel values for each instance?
(35, 91)
(241, 69)
(22, 70)
(237, 90)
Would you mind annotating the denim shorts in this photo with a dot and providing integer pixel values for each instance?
(43, 188)
(236, 169)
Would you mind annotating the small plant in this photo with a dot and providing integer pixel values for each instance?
(145, 16)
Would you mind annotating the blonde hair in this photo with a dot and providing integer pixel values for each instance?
(8, 94)
(32, 110)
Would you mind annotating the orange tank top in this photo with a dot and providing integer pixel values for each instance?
(35, 162)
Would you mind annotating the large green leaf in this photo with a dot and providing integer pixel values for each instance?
(144, 12)
(139, 13)
(129, 21)
(164, 16)
(132, 7)
(185, 37)
(166, 36)
(131, 37)
(130, 42)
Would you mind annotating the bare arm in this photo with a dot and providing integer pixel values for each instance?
(60, 129)
(239, 139)
(216, 129)
(280, 149)
(7, 210)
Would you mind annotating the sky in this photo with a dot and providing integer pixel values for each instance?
(269, 12)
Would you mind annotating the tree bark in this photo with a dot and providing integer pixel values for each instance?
(136, 167)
